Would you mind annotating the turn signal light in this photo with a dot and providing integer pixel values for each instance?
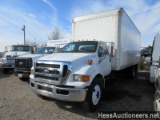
(89, 62)
(31, 72)
(85, 78)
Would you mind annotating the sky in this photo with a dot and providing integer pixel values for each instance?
(41, 17)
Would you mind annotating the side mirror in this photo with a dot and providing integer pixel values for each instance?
(31, 50)
(100, 54)
(34, 48)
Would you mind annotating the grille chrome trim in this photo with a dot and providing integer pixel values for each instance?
(48, 75)
(63, 72)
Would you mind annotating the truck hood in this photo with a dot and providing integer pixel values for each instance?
(68, 57)
(16, 53)
(33, 56)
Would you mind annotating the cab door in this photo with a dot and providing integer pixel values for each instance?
(104, 59)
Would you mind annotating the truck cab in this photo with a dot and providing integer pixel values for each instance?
(8, 60)
(76, 73)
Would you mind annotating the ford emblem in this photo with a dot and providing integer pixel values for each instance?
(20, 63)
(46, 71)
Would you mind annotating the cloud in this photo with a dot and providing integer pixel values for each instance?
(54, 17)
(51, 5)
(38, 26)
(31, 15)
(148, 23)
(12, 17)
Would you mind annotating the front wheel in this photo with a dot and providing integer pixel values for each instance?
(94, 95)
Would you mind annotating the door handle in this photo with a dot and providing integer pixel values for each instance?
(100, 61)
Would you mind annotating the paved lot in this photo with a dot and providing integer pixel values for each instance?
(18, 102)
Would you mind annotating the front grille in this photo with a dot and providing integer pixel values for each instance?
(10, 59)
(46, 77)
(47, 71)
(51, 72)
(23, 63)
(47, 65)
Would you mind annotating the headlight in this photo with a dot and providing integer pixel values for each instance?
(1, 60)
(77, 77)
(84, 78)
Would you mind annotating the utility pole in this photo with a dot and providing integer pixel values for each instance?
(23, 29)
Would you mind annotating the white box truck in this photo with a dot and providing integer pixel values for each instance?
(103, 43)
(155, 70)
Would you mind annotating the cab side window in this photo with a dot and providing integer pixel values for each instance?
(102, 49)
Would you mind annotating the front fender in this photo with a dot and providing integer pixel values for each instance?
(92, 70)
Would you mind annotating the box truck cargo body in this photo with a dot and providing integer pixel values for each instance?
(111, 26)
(102, 43)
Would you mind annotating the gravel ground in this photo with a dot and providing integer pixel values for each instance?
(18, 102)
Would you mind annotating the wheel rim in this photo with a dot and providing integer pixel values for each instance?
(157, 105)
(96, 94)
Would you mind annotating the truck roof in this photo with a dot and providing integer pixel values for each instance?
(19, 45)
(98, 14)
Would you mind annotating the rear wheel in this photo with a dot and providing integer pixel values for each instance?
(94, 95)
(5, 70)
(132, 71)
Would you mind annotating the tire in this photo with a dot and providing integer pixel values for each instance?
(156, 85)
(5, 70)
(132, 71)
(93, 95)
(156, 103)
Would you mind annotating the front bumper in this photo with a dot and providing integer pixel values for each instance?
(22, 73)
(7, 65)
(60, 93)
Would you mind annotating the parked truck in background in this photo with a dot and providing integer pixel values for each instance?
(8, 61)
(24, 63)
(155, 71)
(102, 43)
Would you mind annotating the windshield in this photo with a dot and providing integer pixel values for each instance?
(45, 50)
(20, 48)
(83, 47)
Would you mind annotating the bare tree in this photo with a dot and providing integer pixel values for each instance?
(56, 34)
(44, 44)
(33, 43)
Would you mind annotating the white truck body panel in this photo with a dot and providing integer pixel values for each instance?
(111, 26)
